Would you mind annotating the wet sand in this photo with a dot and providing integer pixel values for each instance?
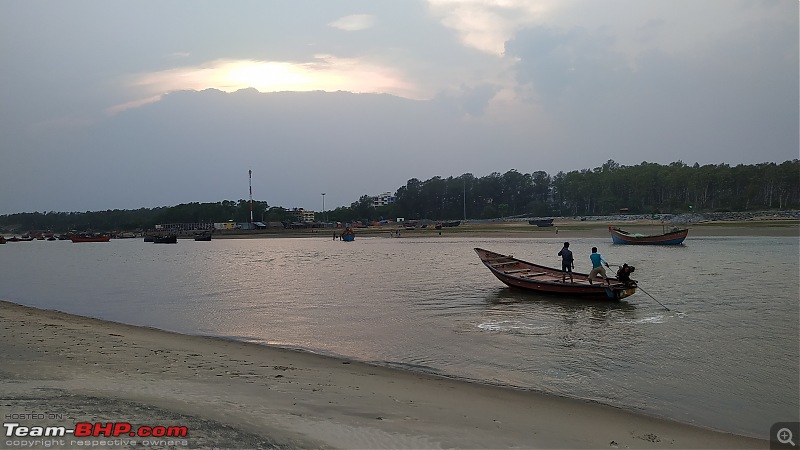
(238, 395)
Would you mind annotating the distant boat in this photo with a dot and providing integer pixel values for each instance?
(547, 280)
(673, 237)
(202, 237)
(2, 240)
(348, 235)
(453, 223)
(85, 237)
(541, 222)
(149, 238)
(168, 239)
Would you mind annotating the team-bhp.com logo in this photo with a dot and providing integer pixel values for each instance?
(96, 429)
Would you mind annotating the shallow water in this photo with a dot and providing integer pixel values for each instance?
(725, 356)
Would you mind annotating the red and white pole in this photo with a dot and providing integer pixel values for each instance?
(250, 173)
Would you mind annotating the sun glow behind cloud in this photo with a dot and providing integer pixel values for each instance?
(324, 73)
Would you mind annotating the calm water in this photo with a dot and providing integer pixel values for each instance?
(724, 357)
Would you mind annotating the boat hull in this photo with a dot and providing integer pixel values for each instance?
(165, 239)
(547, 280)
(348, 237)
(77, 239)
(541, 222)
(672, 238)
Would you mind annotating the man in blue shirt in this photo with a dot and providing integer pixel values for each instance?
(597, 266)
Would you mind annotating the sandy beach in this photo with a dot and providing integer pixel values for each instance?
(60, 369)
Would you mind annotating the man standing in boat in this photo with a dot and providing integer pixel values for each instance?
(597, 266)
(567, 263)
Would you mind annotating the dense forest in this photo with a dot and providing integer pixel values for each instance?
(641, 189)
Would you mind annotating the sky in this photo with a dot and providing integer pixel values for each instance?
(140, 104)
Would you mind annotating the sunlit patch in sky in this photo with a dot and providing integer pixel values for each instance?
(487, 25)
(324, 73)
(356, 22)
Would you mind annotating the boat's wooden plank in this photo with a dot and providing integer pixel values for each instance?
(517, 271)
(536, 274)
(501, 264)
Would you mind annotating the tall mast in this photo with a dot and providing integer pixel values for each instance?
(250, 173)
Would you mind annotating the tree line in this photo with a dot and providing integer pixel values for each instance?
(641, 189)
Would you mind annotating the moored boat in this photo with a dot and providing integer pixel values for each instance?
(541, 222)
(85, 237)
(673, 237)
(348, 235)
(166, 239)
(202, 237)
(547, 280)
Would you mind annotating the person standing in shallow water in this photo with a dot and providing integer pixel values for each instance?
(597, 266)
(567, 263)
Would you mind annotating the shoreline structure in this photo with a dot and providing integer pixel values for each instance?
(232, 394)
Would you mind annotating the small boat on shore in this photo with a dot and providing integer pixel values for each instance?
(85, 237)
(541, 222)
(547, 280)
(348, 235)
(202, 237)
(672, 237)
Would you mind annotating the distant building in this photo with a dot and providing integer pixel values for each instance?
(384, 199)
(301, 215)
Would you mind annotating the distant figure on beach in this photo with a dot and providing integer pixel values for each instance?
(334, 235)
(556, 230)
(597, 266)
(567, 263)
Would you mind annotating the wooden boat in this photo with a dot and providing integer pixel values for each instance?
(202, 237)
(547, 280)
(674, 237)
(89, 238)
(166, 239)
(2, 240)
(541, 222)
(453, 223)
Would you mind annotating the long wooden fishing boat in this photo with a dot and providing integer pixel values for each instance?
(89, 238)
(673, 237)
(547, 280)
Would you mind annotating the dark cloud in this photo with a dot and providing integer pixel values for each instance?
(567, 64)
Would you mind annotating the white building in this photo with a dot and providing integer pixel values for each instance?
(384, 199)
(302, 215)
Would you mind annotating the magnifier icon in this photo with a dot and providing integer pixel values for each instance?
(784, 436)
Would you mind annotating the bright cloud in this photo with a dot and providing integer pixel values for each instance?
(487, 25)
(355, 22)
(325, 73)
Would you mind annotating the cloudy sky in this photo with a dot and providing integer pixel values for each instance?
(129, 104)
